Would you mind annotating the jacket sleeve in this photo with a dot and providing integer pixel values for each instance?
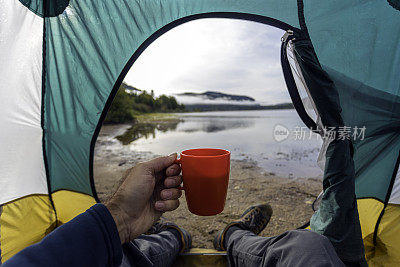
(90, 239)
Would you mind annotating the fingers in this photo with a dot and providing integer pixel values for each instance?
(173, 181)
(161, 163)
(173, 170)
(166, 205)
(172, 193)
(169, 200)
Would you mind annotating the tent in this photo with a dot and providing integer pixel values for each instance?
(62, 62)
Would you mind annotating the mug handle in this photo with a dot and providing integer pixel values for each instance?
(178, 161)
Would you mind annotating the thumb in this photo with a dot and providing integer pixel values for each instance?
(161, 163)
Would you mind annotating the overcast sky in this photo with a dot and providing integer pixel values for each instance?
(229, 56)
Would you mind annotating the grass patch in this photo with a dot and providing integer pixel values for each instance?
(157, 117)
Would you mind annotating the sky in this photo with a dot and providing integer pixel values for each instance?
(225, 55)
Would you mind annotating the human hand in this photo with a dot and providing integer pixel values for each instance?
(147, 190)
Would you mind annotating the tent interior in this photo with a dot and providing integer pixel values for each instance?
(63, 62)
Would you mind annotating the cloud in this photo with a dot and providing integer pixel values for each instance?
(230, 56)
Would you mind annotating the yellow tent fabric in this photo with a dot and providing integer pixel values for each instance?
(69, 204)
(386, 250)
(25, 221)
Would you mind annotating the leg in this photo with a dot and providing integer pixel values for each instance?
(292, 248)
(159, 247)
(152, 250)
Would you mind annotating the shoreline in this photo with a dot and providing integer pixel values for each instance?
(249, 184)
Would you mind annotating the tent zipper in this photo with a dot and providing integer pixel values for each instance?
(291, 84)
(288, 33)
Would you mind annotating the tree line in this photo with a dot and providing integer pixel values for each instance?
(130, 102)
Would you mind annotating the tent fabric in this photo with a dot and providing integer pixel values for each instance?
(337, 217)
(26, 221)
(23, 223)
(395, 4)
(307, 101)
(385, 250)
(395, 196)
(51, 8)
(21, 158)
(69, 204)
(63, 61)
(359, 39)
(358, 45)
(376, 156)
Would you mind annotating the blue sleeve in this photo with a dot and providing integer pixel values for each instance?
(90, 239)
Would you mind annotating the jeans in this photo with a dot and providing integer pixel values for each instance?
(152, 250)
(292, 248)
(244, 248)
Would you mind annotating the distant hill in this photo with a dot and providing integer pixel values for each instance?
(212, 95)
(227, 107)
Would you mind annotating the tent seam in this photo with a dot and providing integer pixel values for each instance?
(26, 196)
(70, 190)
(303, 26)
(394, 4)
(302, 20)
(42, 117)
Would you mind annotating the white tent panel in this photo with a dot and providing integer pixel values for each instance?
(22, 169)
(395, 196)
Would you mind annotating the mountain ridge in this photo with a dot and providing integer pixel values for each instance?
(228, 107)
(213, 95)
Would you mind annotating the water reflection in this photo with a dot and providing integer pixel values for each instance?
(186, 125)
(212, 125)
(145, 130)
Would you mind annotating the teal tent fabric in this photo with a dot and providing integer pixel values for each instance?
(360, 39)
(358, 45)
(379, 112)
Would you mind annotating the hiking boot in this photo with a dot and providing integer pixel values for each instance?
(163, 225)
(254, 219)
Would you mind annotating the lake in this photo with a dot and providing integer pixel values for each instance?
(277, 140)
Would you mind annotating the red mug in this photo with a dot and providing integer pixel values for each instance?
(205, 175)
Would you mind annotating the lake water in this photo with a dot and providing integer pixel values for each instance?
(249, 135)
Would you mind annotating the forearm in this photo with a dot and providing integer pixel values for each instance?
(90, 239)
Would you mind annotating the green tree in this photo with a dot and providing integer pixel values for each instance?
(122, 108)
(131, 101)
